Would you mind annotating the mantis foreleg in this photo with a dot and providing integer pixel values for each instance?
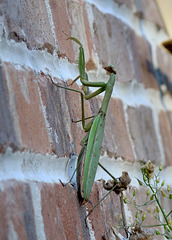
(85, 127)
(83, 75)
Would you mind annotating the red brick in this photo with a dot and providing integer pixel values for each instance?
(70, 17)
(111, 44)
(74, 103)
(4, 217)
(17, 216)
(141, 127)
(61, 20)
(125, 44)
(60, 212)
(106, 214)
(27, 21)
(143, 65)
(164, 72)
(78, 18)
(61, 107)
(166, 135)
(150, 13)
(7, 131)
(57, 113)
(66, 219)
(26, 109)
(116, 139)
(128, 3)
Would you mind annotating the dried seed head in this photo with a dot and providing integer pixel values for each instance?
(148, 169)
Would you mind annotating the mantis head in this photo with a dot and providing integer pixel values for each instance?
(110, 69)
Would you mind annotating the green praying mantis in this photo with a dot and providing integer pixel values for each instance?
(91, 143)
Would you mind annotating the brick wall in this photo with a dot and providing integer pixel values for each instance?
(37, 136)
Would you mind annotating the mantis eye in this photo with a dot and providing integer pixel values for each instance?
(110, 69)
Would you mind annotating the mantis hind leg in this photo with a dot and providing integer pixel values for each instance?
(70, 84)
(85, 127)
(85, 119)
(80, 157)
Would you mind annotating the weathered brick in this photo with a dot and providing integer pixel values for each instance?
(22, 122)
(106, 214)
(17, 216)
(73, 100)
(116, 139)
(53, 99)
(7, 131)
(150, 13)
(78, 18)
(128, 3)
(4, 217)
(61, 20)
(26, 109)
(61, 107)
(164, 72)
(60, 212)
(111, 42)
(66, 219)
(71, 17)
(143, 64)
(165, 125)
(27, 21)
(143, 133)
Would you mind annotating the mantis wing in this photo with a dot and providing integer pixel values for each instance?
(93, 154)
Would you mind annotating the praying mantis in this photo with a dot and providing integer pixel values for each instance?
(91, 143)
